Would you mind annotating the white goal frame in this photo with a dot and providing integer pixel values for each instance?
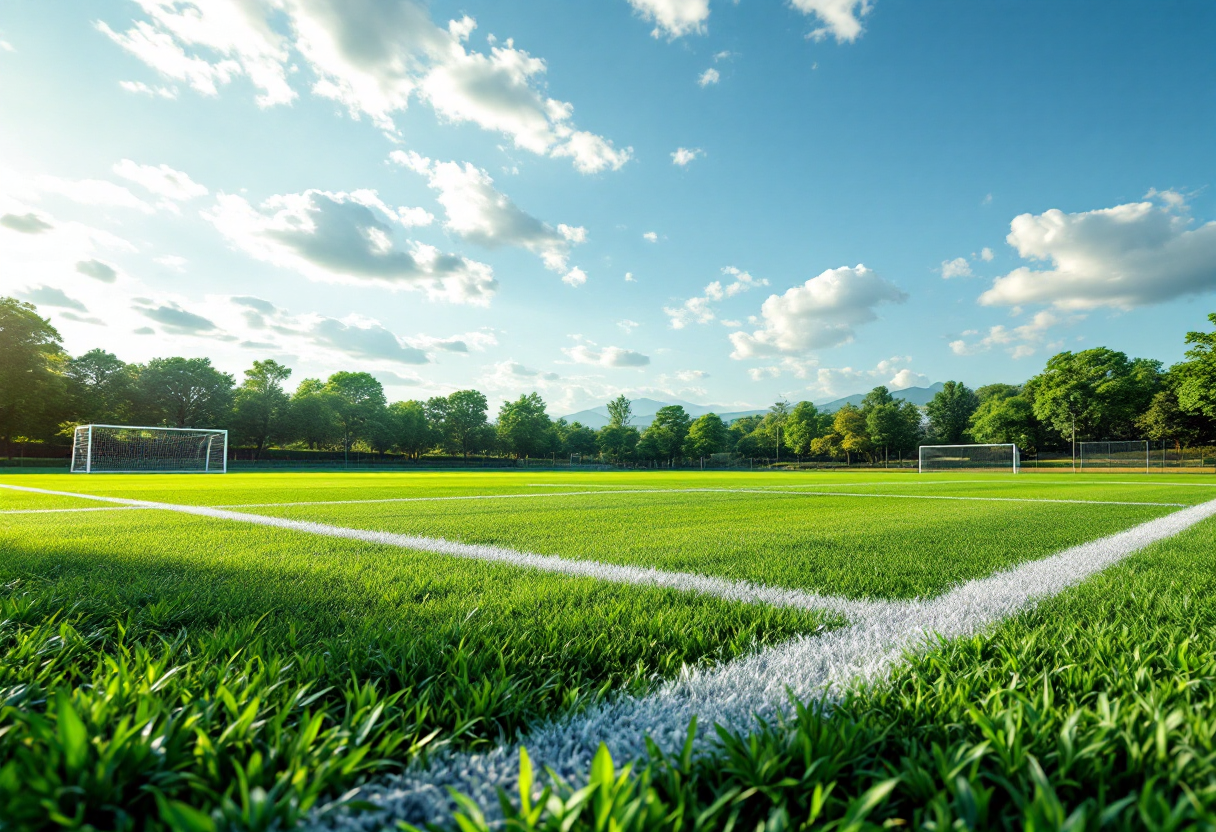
(1017, 456)
(87, 437)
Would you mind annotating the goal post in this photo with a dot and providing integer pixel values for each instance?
(1001, 457)
(131, 449)
(1119, 454)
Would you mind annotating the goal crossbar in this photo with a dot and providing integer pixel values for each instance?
(954, 457)
(132, 449)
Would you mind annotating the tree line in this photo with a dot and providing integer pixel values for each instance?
(1092, 394)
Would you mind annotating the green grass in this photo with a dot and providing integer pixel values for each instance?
(152, 660)
(1097, 710)
(160, 670)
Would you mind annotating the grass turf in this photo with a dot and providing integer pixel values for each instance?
(1096, 710)
(155, 662)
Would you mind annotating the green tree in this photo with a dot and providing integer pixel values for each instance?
(894, 426)
(774, 425)
(997, 391)
(185, 393)
(576, 438)
(1102, 390)
(1010, 419)
(620, 412)
(101, 387)
(32, 388)
(1166, 421)
(877, 397)
(358, 404)
(260, 410)
(618, 442)
(804, 426)
(850, 433)
(706, 436)
(413, 434)
(524, 428)
(950, 412)
(664, 439)
(312, 415)
(1196, 377)
(462, 420)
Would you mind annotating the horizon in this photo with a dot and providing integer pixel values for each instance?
(752, 204)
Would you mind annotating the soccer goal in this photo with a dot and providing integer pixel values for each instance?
(129, 449)
(1096, 456)
(974, 457)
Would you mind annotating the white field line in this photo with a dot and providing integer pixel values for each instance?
(915, 481)
(550, 494)
(66, 510)
(734, 695)
(741, 591)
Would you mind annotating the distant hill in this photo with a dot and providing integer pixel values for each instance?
(644, 410)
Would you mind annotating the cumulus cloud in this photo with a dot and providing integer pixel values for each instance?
(50, 296)
(628, 326)
(174, 319)
(841, 19)
(606, 356)
(629, 278)
(709, 76)
(29, 223)
(140, 88)
(478, 213)
(650, 237)
(97, 192)
(342, 237)
(172, 261)
(365, 339)
(684, 155)
(674, 18)
(698, 309)
(820, 313)
(986, 254)
(958, 267)
(514, 370)
(892, 372)
(171, 185)
(1126, 256)
(97, 270)
(372, 58)
(1018, 341)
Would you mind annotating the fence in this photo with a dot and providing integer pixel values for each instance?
(1126, 457)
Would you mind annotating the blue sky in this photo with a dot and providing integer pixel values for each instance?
(714, 201)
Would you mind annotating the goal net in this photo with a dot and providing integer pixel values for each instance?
(124, 449)
(1125, 455)
(974, 457)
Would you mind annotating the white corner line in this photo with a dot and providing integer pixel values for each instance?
(735, 695)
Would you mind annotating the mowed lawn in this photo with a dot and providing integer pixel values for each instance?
(152, 661)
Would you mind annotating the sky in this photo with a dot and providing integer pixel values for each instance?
(704, 200)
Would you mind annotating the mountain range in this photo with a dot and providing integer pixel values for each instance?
(644, 410)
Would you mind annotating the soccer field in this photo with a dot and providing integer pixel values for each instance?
(245, 650)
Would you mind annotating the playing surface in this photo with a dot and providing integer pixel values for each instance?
(457, 651)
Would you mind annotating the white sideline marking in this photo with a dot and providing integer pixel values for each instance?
(66, 510)
(734, 695)
(742, 591)
(696, 491)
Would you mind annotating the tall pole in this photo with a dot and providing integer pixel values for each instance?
(1074, 443)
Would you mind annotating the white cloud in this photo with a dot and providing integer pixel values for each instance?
(986, 254)
(372, 58)
(161, 180)
(1126, 256)
(5, 46)
(907, 378)
(606, 357)
(175, 319)
(958, 267)
(684, 155)
(97, 270)
(27, 223)
(628, 326)
(674, 18)
(172, 261)
(650, 237)
(480, 214)
(1171, 198)
(839, 18)
(709, 76)
(236, 36)
(338, 237)
(363, 338)
(820, 313)
(1019, 341)
(140, 88)
(691, 375)
(629, 278)
(698, 310)
(893, 373)
(50, 296)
